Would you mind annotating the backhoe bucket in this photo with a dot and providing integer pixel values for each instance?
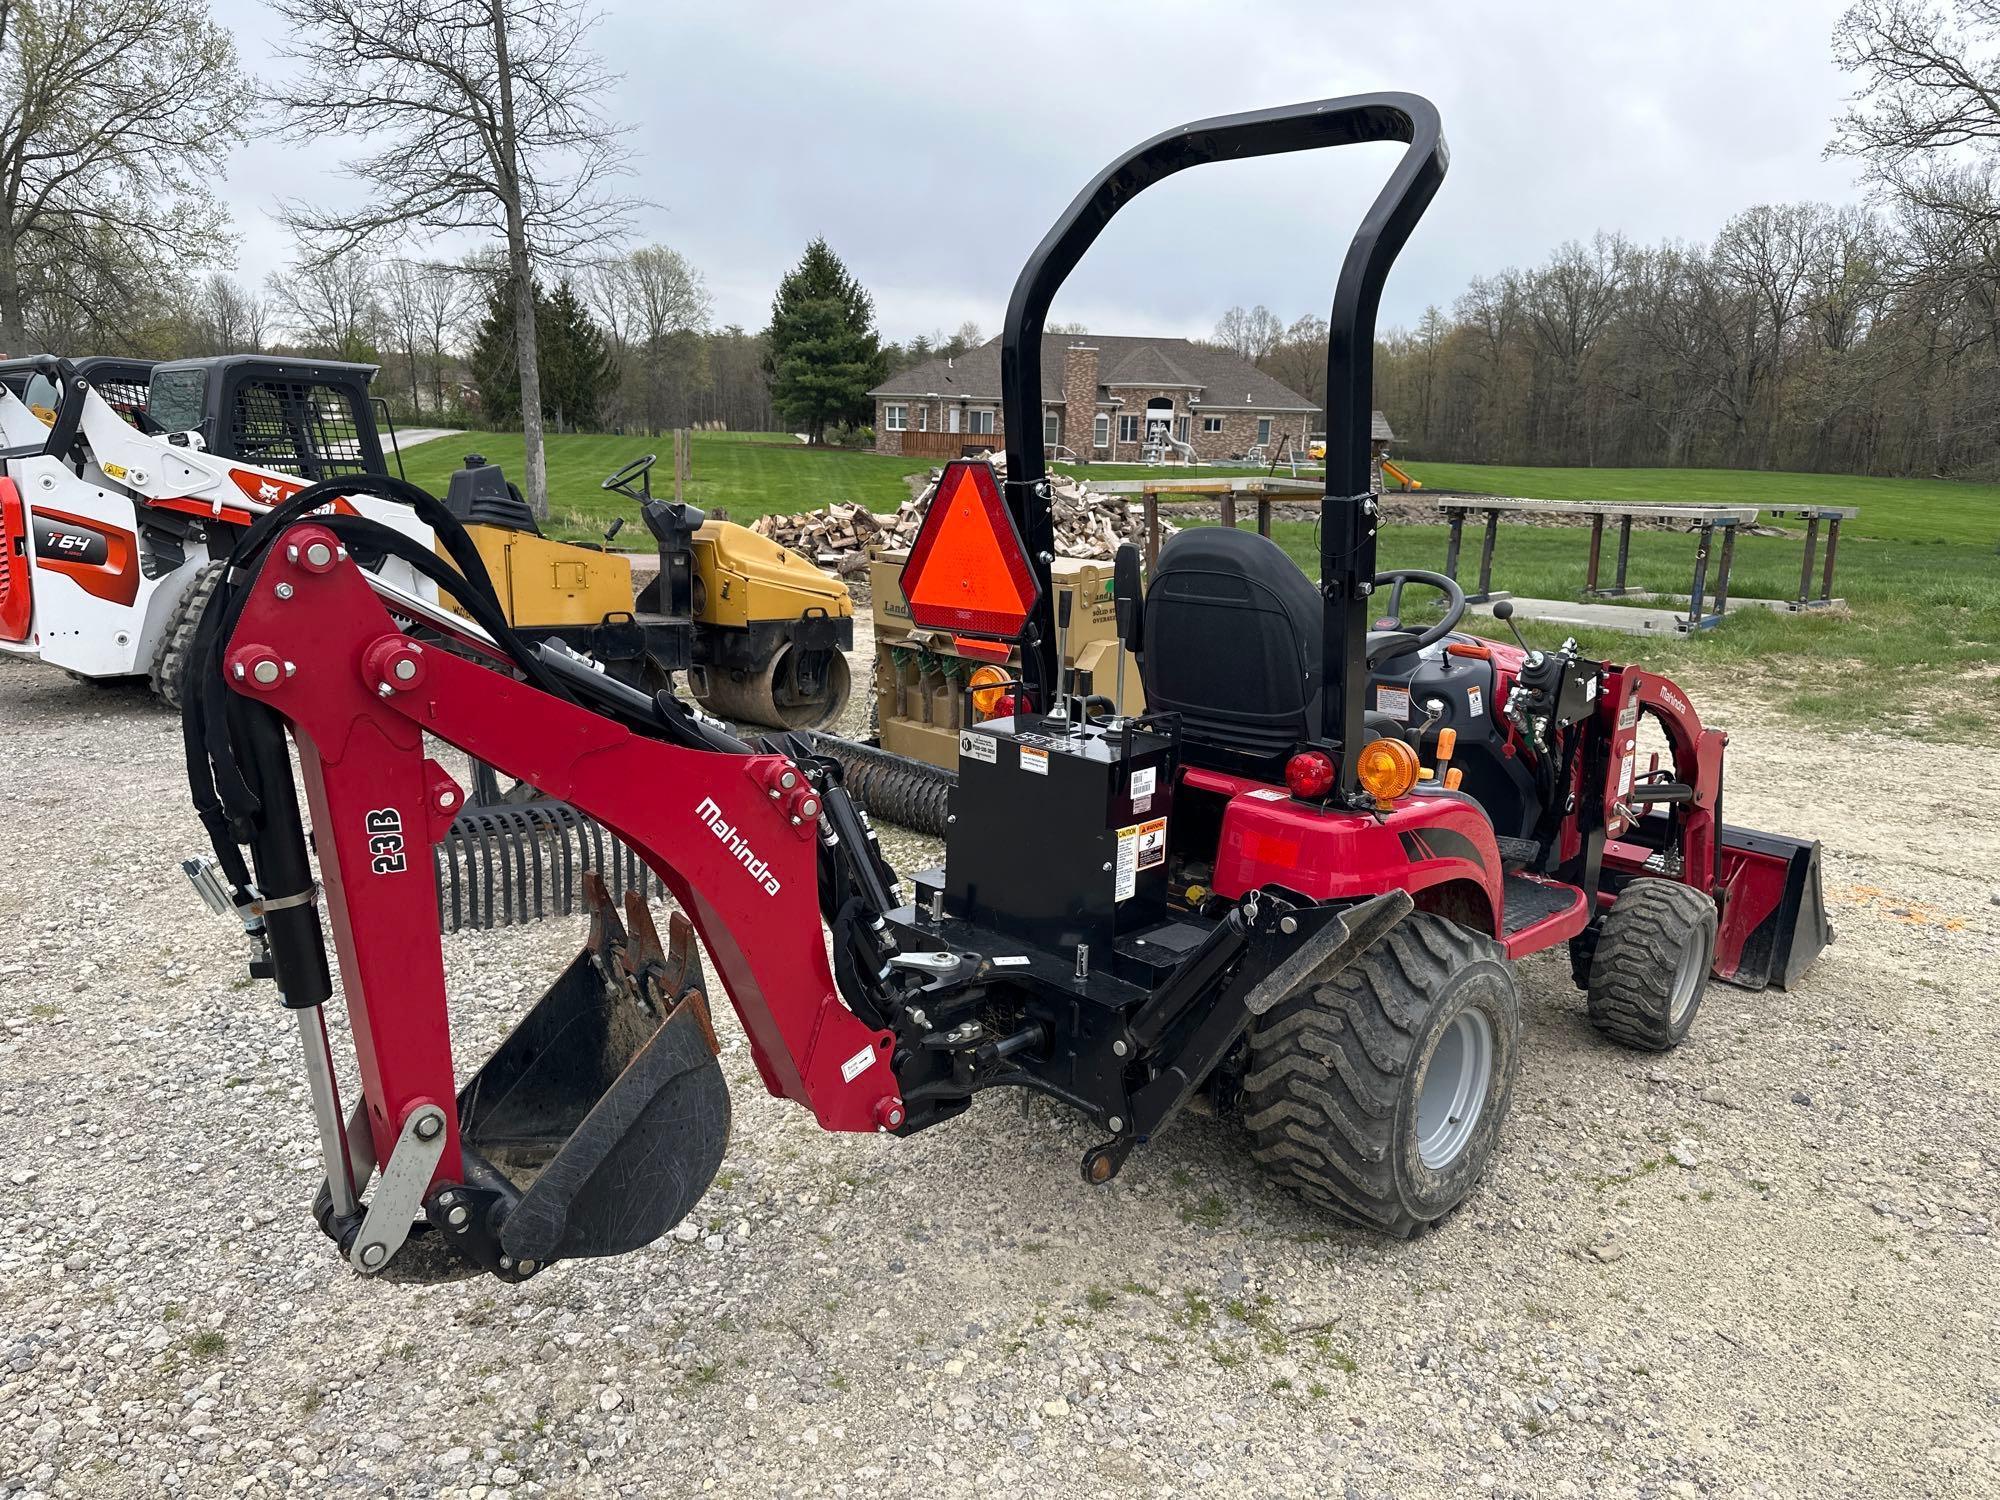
(1774, 917)
(602, 1119)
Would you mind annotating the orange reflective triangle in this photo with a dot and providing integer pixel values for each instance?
(967, 572)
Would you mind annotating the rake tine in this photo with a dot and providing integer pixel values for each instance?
(486, 867)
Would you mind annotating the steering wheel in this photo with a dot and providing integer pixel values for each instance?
(637, 469)
(1389, 637)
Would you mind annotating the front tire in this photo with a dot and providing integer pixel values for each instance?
(1379, 1095)
(1651, 964)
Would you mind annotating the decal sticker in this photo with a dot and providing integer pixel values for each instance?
(1034, 761)
(1476, 700)
(1625, 772)
(1421, 844)
(385, 841)
(1141, 846)
(1011, 961)
(1268, 794)
(1394, 702)
(1629, 714)
(1590, 690)
(727, 835)
(1144, 781)
(978, 747)
(1141, 804)
(858, 1064)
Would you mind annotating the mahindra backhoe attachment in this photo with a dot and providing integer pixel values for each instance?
(603, 1116)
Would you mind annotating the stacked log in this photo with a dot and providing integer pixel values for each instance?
(1089, 525)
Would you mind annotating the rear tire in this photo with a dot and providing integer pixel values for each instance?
(177, 640)
(1651, 964)
(1379, 1095)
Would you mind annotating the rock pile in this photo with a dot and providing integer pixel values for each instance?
(1089, 525)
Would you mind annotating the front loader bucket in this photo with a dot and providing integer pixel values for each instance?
(1774, 917)
(506, 862)
(603, 1117)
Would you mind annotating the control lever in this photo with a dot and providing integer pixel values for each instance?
(1503, 611)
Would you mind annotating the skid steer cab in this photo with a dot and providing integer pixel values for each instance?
(1296, 882)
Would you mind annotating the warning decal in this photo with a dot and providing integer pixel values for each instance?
(1034, 760)
(1141, 846)
(1395, 702)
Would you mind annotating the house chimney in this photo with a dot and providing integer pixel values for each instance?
(1079, 398)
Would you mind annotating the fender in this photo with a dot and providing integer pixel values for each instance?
(1430, 839)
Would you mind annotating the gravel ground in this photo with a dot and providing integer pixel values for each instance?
(1763, 1265)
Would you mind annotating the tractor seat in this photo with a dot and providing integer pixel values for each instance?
(1232, 645)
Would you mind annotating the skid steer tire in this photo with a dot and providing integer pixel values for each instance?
(1651, 964)
(1379, 1095)
(171, 655)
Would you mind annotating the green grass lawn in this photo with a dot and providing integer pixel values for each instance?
(1907, 509)
(746, 474)
(1918, 647)
(1920, 567)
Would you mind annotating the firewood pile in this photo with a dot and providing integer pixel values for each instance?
(1089, 525)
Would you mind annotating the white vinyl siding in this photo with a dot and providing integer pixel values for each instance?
(895, 418)
(1100, 430)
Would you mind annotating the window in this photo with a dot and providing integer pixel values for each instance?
(1128, 428)
(1211, 424)
(1051, 429)
(1264, 430)
(895, 418)
(980, 422)
(951, 419)
(1181, 428)
(1100, 430)
(923, 418)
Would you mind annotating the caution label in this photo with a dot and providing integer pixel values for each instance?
(1393, 701)
(1141, 846)
(1035, 761)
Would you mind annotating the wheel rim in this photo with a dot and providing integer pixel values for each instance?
(1453, 1097)
(1689, 977)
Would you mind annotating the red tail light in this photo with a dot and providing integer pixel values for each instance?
(1309, 775)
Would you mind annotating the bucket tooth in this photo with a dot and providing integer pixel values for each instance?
(605, 1111)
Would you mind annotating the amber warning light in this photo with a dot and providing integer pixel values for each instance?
(968, 572)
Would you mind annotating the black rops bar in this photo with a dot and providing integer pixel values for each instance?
(1347, 517)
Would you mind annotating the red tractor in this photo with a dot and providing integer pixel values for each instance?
(1298, 882)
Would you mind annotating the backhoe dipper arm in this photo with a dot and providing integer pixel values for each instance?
(733, 836)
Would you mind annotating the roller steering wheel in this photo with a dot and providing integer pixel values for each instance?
(637, 469)
(1389, 637)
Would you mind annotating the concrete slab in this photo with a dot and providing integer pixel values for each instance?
(1632, 619)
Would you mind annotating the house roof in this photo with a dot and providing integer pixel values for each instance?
(1221, 379)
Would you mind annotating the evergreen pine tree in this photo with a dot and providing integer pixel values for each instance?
(824, 351)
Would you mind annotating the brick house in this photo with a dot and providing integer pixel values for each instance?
(1106, 399)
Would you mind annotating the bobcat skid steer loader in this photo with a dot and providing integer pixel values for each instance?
(114, 516)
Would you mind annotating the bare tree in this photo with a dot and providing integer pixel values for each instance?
(231, 318)
(332, 306)
(484, 116)
(652, 299)
(448, 295)
(1251, 334)
(111, 116)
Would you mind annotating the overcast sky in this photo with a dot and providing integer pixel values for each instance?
(934, 145)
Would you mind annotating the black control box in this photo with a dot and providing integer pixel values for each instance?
(1059, 832)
